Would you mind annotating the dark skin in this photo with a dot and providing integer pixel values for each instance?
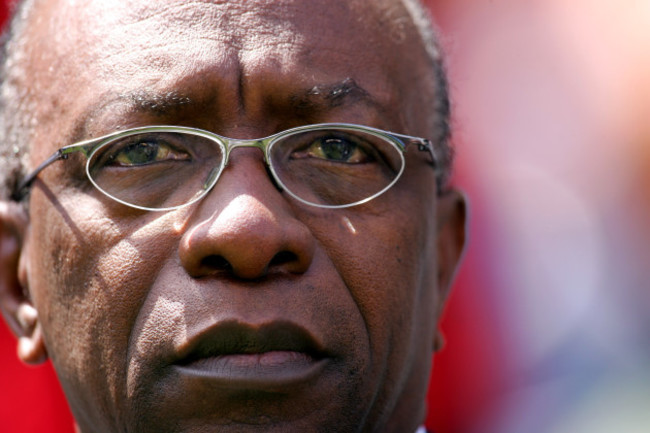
(338, 309)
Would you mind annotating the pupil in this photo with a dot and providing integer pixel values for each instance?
(141, 153)
(337, 149)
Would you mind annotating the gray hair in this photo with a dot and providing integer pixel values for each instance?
(17, 120)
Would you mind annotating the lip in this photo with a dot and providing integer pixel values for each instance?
(238, 356)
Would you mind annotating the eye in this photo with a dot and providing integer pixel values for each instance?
(145, 152)
(337, 149)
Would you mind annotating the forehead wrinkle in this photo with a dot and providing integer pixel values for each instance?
(224, 22)
(159, 59)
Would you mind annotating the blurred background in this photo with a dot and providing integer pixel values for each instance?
(548, 326)
(552, 116)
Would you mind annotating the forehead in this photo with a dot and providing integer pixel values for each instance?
(108, 32)
(117, 31)
(110, 48)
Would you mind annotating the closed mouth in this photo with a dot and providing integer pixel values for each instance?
(270, 357)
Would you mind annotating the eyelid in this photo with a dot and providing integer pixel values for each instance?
(324, 135)
(109, 151)
(370, 149)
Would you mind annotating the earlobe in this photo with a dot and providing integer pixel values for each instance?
(452, 234)
(451, 237)
(16, 306)
(31, 348)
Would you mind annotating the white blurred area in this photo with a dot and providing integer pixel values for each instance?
(552, 107)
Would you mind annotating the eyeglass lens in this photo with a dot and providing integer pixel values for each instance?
(165, 169)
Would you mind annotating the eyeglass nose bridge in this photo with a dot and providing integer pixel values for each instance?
(233, 143)
(230, 144)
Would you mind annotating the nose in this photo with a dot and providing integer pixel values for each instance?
(245, 227)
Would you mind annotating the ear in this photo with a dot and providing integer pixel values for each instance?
(452, 233)
(451, 237)
(15, 304)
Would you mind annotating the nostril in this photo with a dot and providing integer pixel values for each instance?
(283, 257)
(216, 262)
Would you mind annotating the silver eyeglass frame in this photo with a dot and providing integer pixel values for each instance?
(89, 147)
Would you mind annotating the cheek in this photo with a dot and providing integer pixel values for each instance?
(389, 277)
(88, 275)
(387, 261)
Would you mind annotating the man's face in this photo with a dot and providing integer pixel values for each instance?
(247, 311)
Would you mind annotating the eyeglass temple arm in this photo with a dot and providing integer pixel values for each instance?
(424, 145)
(24, 186)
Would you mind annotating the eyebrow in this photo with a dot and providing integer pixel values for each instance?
(318, 98)
(328, 96)
(158, 104)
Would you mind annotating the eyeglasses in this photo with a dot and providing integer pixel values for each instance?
(160, 168)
